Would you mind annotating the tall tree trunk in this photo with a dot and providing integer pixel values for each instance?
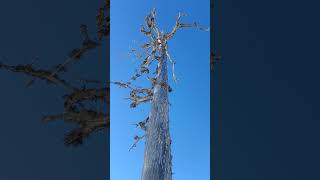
(157, 156)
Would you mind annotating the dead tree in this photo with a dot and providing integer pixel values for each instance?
(79, 100)
(157, 155)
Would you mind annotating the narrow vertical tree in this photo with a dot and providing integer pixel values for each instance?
(157, 155)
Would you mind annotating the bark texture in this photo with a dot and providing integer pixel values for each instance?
(157, 156)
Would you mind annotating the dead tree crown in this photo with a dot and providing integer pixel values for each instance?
(150, 55)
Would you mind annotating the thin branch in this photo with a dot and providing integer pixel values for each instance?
(123, 85)
(80, 95)
(137, 139)
(88, 121)
(173, 71)
(179, 25)
(142, 124)
(37, 74)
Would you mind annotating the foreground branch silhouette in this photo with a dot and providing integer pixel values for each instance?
(78, 108)
(157, 155)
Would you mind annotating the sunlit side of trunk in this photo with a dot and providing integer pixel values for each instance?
(157, 156)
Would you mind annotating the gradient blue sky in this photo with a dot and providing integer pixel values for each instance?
(190, 99)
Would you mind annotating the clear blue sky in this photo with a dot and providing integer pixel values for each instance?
(190, 99)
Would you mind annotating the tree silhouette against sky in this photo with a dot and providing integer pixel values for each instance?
(155, 59)
(84, 98)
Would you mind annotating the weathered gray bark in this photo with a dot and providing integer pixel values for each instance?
(157, 156)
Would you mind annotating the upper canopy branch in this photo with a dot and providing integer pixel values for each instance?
(151, 50)
(179, 25)
(154, 50)
(151, 25)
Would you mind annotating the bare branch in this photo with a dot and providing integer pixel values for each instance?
(80, 95)
(151, 25)
(103, 21)
(37, 74)
(142, 124)
(123, 85)
(138, 99)
(89, 121)
(136, 139)
(173, 71)
(179, 25)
